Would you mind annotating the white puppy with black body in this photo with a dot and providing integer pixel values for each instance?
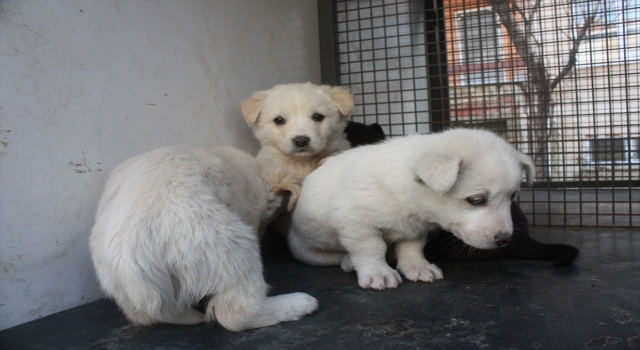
(357, 202)
(179, 224)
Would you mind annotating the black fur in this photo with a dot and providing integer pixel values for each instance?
(359, 134)
(443, 245)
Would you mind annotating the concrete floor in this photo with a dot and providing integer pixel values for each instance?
(503, 304)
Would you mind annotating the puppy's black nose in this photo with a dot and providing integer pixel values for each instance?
(502, 239)
(301, 141)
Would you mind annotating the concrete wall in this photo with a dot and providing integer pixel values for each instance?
(87, 84)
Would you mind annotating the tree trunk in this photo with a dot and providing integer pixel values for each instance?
(537, 88)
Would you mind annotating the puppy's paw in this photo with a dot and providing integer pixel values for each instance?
(280, 181)
(421, 271)
(287, 184)
(347, 265)
(384, 277)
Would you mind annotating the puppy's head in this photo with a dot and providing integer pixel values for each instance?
(472, 178)
(300, 120)
(360, 134)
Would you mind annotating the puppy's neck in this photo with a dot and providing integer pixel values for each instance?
(296, 167)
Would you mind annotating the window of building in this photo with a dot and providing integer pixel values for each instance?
(614, 150)
(614, 37)
(479, 42)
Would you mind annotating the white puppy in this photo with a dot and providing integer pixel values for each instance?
(397, 191)
(298, 125)
(179, 224)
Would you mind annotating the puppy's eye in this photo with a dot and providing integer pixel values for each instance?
(279, 120)
(318, 117)
(476, 201)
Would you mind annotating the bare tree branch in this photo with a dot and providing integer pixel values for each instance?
(518, 38)
(573, 53)
(535, 9)
(538, 88)
(518, 9)
(533, 38)
(532, 14)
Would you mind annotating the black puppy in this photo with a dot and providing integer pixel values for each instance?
(360, 134)
(443, 245)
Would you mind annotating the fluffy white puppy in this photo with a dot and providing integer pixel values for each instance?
(298, 125)
(179, 224)
(357, 202)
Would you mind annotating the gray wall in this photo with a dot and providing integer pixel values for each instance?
(87, 84)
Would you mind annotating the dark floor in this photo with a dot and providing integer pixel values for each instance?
(504, 304)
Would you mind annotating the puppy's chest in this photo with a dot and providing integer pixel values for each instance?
(410, 227)
(300, 169)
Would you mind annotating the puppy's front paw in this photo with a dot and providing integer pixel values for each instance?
(384, 277)
(421, 271)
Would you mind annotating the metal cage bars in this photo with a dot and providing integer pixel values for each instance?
(423, 66)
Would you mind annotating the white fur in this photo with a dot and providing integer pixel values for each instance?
(364, 198)
(296, 104)
(179, 224)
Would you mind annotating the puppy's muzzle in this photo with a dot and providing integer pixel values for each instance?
(301, 142)
(502, 239)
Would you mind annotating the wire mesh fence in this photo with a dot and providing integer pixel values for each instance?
(559, 79)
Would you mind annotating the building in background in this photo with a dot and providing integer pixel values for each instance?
(594, 129)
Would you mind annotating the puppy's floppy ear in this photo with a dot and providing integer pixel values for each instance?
(438, 171)
(341, 97)
(529, 167)
(252, 106)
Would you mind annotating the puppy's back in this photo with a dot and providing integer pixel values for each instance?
(372, 168)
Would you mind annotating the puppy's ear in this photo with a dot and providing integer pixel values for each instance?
(377, 129)
(529, 167)
(252, 106)
(342, 98)
(438, 171)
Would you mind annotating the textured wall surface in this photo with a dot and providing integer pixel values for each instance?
(87, 84)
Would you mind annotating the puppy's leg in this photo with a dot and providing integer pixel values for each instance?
(411, 261)
(522, 246)
(138, 318)
(133, 314)
(310, 255)
(346, 265)
(185, 317)
(158, 309)
(367, 255)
